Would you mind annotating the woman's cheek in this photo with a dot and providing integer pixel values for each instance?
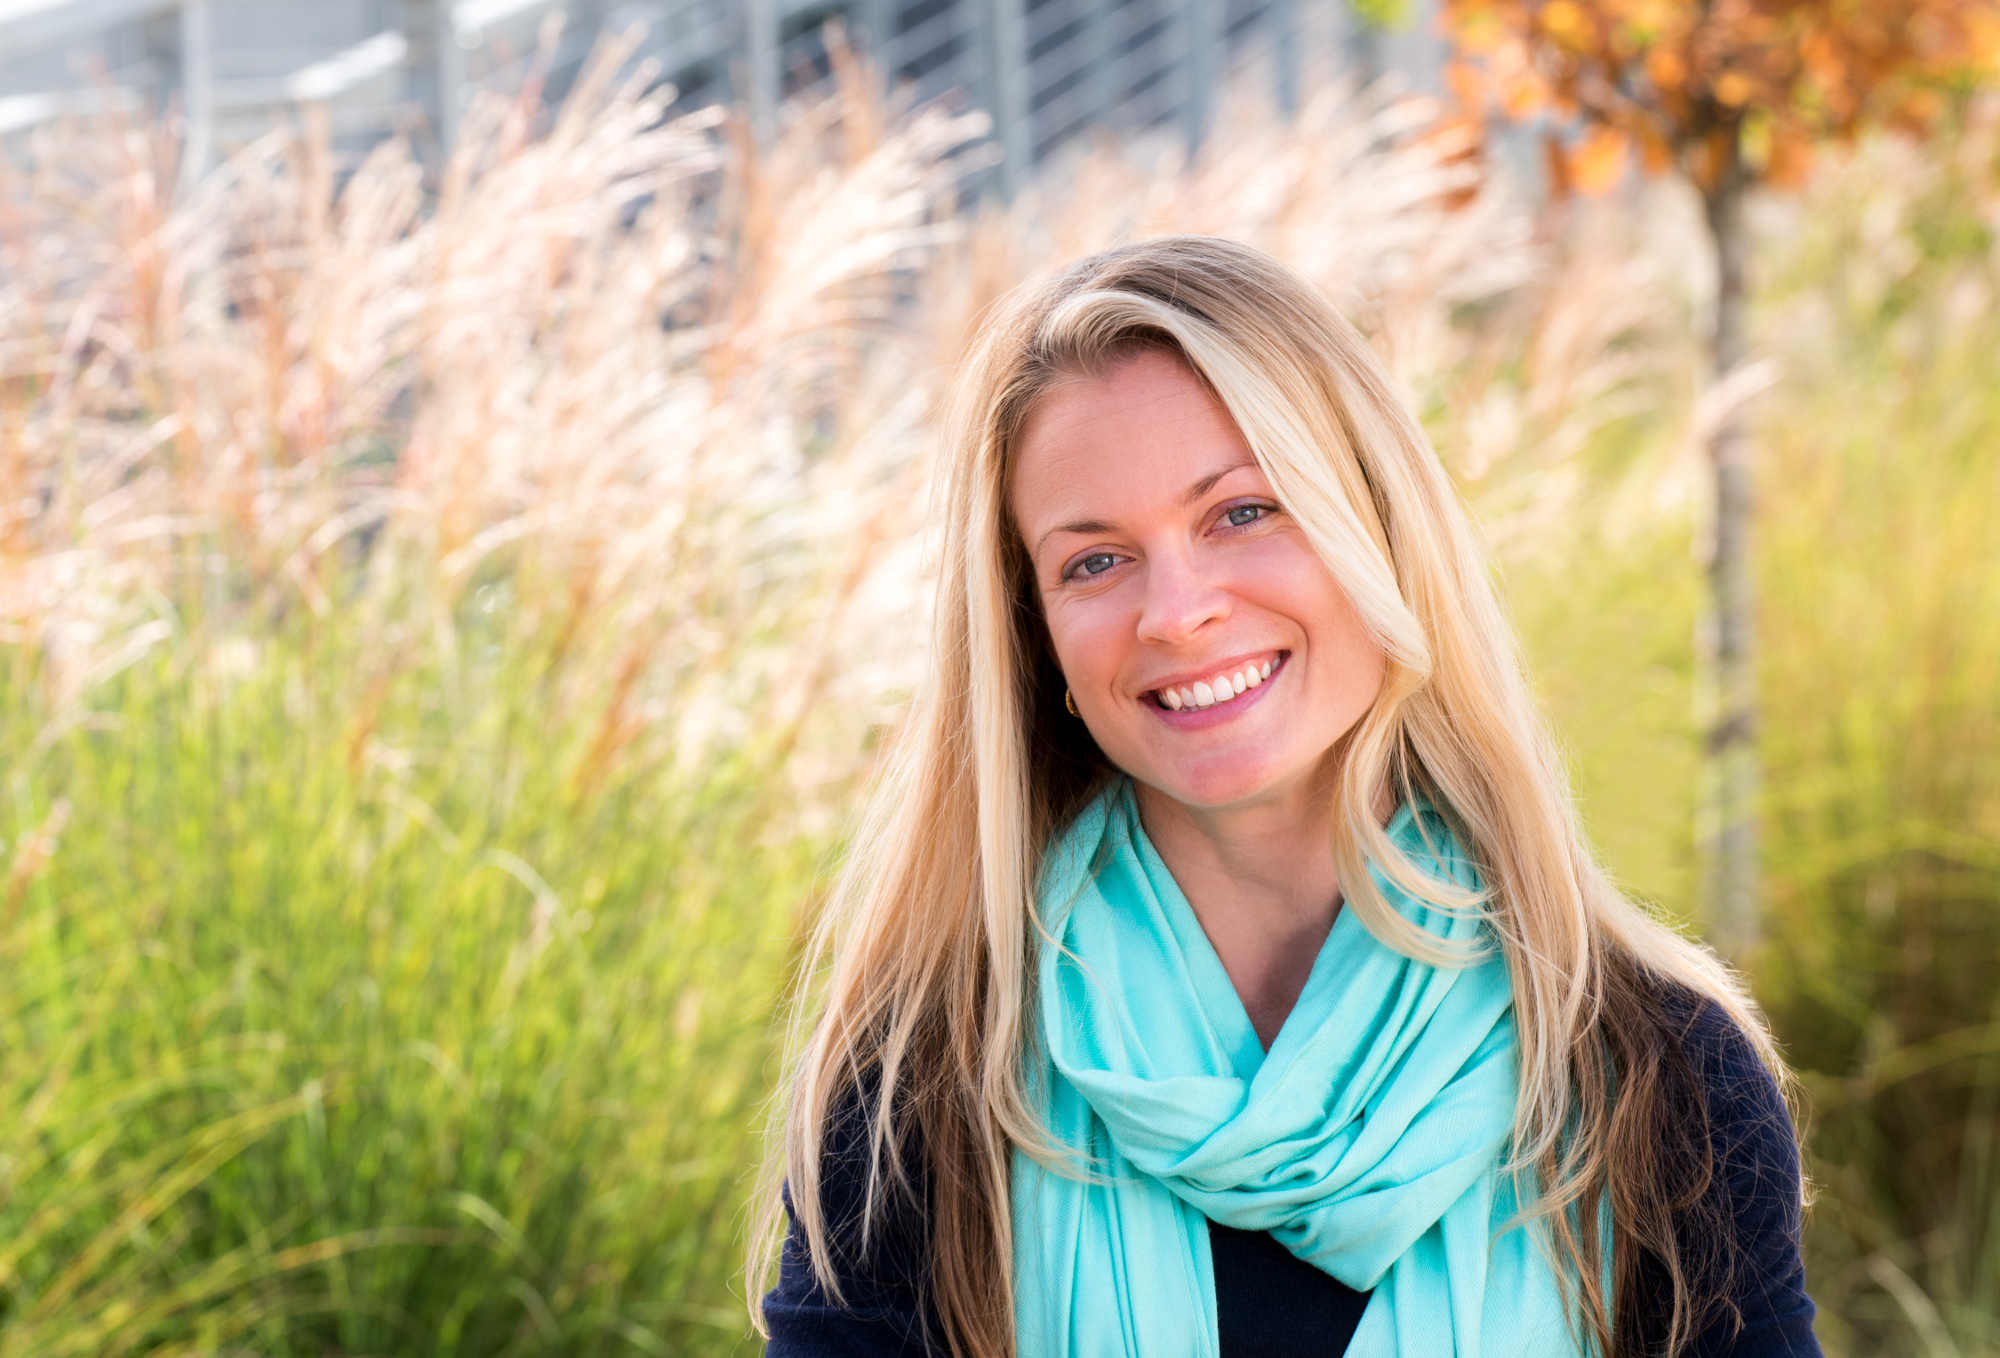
(1084, 635)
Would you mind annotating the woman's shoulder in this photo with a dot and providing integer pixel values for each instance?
(1754, 1190)
(877, 1259)
(1745, 1107)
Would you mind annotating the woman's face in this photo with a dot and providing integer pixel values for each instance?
(1170, 580)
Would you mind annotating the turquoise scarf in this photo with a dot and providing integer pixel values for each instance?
(1367, 1140)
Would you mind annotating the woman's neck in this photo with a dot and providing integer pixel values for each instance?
(1261, 881)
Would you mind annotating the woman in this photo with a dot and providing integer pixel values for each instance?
(1219, 966)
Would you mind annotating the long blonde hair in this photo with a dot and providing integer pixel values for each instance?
(929, 935)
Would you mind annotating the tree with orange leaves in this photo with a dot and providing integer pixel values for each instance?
(1733, 94)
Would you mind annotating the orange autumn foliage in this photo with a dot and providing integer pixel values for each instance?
(1755, 83)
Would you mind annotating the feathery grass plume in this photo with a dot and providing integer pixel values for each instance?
(597, 374)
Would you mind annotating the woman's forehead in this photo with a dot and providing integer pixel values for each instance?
(1145, 429)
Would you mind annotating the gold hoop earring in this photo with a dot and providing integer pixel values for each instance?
(1070, 703)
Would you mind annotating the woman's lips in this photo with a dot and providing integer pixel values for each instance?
(1197, 718)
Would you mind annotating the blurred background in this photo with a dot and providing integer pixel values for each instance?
(464, 537)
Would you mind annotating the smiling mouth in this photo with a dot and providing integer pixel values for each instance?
(1223, 688)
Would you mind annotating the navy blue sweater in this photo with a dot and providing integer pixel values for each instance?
(1270, 1304)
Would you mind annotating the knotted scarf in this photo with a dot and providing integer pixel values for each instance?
(1367, 1140)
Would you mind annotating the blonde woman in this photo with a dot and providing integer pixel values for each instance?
(1219, 967)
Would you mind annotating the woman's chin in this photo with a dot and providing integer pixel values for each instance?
(1224, 787)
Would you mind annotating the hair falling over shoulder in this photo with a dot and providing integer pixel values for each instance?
(925, 949)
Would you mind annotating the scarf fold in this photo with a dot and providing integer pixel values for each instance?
(1367, 1140)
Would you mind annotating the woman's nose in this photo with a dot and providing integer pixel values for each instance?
(1181, 599)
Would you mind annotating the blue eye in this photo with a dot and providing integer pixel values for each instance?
(1255, 512)
(1083, 566)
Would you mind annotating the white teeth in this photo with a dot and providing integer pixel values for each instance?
(1220, 689)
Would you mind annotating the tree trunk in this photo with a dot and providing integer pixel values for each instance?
(1728, 819)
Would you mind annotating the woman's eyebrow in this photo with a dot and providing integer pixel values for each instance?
(1207, 483)
(1188, 497)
